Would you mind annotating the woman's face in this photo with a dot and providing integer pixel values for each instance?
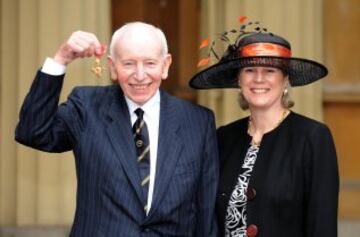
(262, 87)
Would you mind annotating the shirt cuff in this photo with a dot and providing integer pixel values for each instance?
(53, 68)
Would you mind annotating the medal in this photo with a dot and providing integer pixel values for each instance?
(97, 68)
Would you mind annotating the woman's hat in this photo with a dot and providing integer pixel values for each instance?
(257, 49)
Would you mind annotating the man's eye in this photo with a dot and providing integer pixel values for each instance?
(151, 63)
(128, 63)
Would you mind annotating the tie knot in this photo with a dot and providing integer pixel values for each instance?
(139, 112)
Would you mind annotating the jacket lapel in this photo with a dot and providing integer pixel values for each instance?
(120, 133)
(169, 148)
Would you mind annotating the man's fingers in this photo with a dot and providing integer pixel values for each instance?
(100, 51)
(80, 44)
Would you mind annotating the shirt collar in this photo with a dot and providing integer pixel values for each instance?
(147, 107)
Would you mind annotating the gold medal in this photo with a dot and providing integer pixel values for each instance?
(97, 68)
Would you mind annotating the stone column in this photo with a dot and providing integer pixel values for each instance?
(39, 188)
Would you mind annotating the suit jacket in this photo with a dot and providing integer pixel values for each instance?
(294, 183)
(94, 122)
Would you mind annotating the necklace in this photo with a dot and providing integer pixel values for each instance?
(257, 143)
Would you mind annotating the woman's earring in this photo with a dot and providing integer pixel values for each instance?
(285, 92)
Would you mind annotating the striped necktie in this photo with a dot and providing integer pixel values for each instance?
(141, 137)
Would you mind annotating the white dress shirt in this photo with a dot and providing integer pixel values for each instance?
(53, 68)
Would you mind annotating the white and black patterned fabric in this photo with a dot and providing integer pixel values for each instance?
(235, 223)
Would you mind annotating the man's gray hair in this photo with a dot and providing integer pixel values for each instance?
(133, 25)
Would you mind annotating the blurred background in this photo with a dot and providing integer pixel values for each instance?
(38, 190)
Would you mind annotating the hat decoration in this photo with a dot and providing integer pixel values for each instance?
(255, 47)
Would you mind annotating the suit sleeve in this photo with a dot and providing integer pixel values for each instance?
(43, 124)
(322, 184)
(206, 221)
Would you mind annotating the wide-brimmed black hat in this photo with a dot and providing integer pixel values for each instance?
(258, 49)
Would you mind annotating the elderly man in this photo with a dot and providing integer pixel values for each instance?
(146, 162)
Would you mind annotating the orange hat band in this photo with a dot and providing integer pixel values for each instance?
(264, 49)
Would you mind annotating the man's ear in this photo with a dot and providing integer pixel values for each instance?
(112, 68)
(167, 63)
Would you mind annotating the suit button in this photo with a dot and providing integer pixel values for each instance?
(251, 230)
(145, 229)
(250, 194)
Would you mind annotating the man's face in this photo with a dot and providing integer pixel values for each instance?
(139, 65)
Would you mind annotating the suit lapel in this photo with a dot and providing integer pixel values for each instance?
(120, 133)
(169, 148)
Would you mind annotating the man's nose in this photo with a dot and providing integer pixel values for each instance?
(140, 73)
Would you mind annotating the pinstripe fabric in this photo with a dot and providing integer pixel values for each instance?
(95, 124)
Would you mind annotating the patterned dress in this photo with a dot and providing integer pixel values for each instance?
(235, 223)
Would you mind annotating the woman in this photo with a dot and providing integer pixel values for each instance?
(279, 174)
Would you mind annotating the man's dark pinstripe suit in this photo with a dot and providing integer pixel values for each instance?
(95, 124)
